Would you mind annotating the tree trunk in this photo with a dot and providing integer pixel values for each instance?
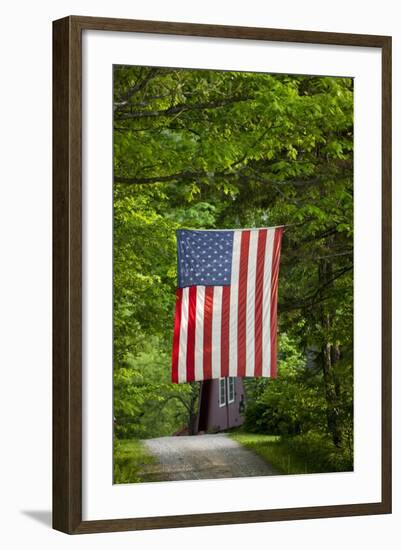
(332, 388)
(330, 355)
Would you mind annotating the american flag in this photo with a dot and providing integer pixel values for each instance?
(226, 303)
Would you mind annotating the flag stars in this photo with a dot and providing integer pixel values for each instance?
(205, 257)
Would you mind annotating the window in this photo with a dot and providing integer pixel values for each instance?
(231, 389)
(222, 392)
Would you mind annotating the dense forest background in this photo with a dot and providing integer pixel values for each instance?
(213, 149)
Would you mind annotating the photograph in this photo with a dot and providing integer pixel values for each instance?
(200, 278)
(233, 288)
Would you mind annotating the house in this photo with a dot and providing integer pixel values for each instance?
(221, 404)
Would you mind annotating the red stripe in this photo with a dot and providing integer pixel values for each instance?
(260, 267)
(207, 333)
(191, 334)
(273, 302)
(242, 289)
(225, 332)
(176, 337)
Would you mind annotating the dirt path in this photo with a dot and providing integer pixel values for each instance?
(204, 457)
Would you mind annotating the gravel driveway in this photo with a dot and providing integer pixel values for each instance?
(204, 457)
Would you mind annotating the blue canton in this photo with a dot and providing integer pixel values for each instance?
(204, 257)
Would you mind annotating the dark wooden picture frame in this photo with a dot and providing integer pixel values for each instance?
(67, 274)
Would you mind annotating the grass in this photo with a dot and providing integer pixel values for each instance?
(306, 454)
(132, 462)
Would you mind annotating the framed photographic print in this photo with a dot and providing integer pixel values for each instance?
(222, 274)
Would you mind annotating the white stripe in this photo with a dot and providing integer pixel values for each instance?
(216, 331)
(250, 304)
(234, 302)
(182, 354)
(266, 303)
(236, 257)
(200, 305)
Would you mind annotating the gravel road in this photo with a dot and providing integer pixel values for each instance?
(208, 456)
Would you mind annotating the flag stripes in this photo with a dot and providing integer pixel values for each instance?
(242, 291)
(260, 267)
(225, 332)
(234, 302)
(191, 333)
(199, 332)
(176, 337)
(231, 330)
(273, 302)
(266, 336)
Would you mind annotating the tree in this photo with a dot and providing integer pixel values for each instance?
(200, 148)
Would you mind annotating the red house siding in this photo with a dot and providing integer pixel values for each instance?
(215, 418)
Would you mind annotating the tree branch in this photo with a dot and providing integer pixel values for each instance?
(311, 301)
(183, 107)
(136, 88)
(186, 405)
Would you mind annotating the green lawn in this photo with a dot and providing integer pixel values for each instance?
(132, 461)
(296, 455)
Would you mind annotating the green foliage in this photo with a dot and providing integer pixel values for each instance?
(295, 404)
(130, 461)
(146, 403)
(214, 149)
(292, 403)
(302, 454)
